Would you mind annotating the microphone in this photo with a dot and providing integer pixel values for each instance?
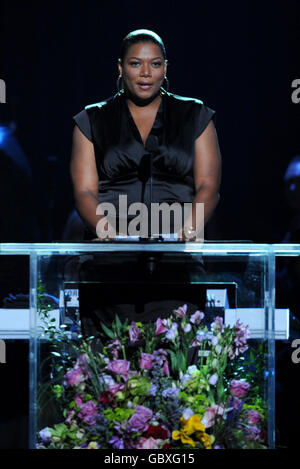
(152, 147)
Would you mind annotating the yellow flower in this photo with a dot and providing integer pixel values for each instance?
(206, 439)
(193, 424)
(177, 435)
(188, 427)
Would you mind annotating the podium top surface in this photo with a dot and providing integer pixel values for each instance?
(222, 248)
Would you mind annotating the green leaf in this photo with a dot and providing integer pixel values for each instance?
(174, 362)
(107, 331)
(118, 325)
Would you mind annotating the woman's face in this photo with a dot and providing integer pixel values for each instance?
(143, 70)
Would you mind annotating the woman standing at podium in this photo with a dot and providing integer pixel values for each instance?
(143, 126)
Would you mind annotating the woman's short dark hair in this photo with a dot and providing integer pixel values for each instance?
(141, 35)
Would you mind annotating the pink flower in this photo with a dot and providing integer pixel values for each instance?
(211, 412)
(239, 388)
(78, 401)
(70, 415)
(180, 313)
(197, 317)
(235, 402)
(138, 422)
(146, 361)
(134, 332)
(218, 325)
(88, 413)
(79, 373)
(82, 360)
(252, 417)
(74, 376)
(161, 326)
(166, 368)
(115, 345)
(149, 443)
(116, 388)
(120, 367)
(242, 334)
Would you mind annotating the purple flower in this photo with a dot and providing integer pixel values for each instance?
(235, 403)
(180, 313)
(200, 337)
(252, 432)
(239, 388)
(146, 361)
(171, 392)
(117, 443)
(134, 332)
(78, 400)
(197, 317)
(252, 417)
(138, 422)
(153, 390)
(116, 388)
(88, 413)
(70, 415)
(115, 345)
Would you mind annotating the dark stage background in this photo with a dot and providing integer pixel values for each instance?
(240, 58)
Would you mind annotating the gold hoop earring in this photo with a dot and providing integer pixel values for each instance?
(167, 83)
(119, 80)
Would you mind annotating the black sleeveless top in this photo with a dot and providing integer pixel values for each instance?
(122, 157)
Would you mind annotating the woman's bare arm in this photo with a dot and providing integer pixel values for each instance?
(207, 174)
(85, 178)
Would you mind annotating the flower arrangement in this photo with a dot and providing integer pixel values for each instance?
(142, 388)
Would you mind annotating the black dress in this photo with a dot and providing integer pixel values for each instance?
(140, 287)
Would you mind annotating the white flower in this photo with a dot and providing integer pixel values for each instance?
(108, 380)
(187, 328)
(187, 413)
(213, 380)
(79, 434)
(45, 434)
(215, 363)
(214, 341)
(191, 369)
(173, 332)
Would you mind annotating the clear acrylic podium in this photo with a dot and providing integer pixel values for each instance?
(238, 282)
